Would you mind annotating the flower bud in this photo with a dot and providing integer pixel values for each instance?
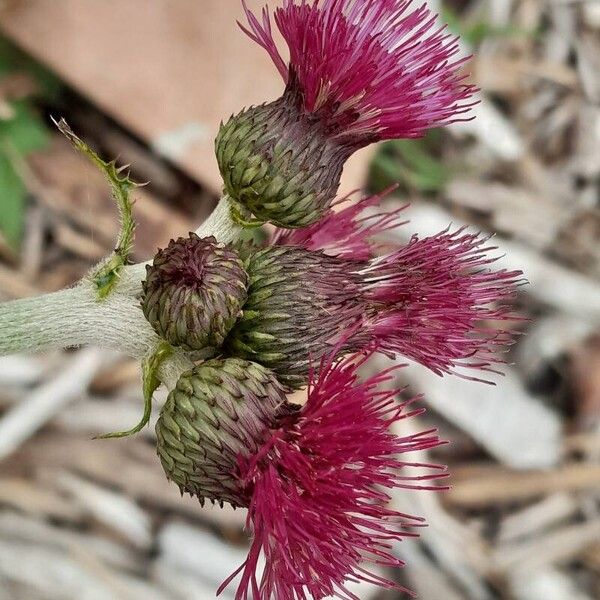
(194, 291)
(279, 164)
(299, 304)
(219, 411)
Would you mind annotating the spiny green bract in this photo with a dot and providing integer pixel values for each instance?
(278, 165)
(220, 410)
(299, 303)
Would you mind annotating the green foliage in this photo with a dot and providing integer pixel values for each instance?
(151, 382)
(256, 236)
(25, 129)
(107, 274)
(473, 32)
(12, 203)
(22, 131)
(412, 164)
(20, 134)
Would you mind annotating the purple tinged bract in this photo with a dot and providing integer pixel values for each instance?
(193, 292)
(359, 71)
(437, 300)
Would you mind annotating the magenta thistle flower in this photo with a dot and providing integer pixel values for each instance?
(369, 69)
(360, 71)
(318, 489)
(347, 233)
(436, 300)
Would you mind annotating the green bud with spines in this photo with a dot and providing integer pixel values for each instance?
(299, 304)
(219, 411)
(193, 292)
(279, 164)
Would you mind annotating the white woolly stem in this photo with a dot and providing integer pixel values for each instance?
(75, 316)
(220, 224)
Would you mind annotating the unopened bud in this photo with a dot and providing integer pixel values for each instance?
(194, 291)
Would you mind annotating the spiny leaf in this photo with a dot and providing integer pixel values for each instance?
(150, 380)
(107, 274)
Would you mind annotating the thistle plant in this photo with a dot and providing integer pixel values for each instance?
(230, 327)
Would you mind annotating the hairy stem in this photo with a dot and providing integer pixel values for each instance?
(75, 316)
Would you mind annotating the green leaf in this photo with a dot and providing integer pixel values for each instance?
(424, 172)
(19, 136)
(151, 382)
(22, 133)
(412, 164)
(25, 131)
(12, 204)
(257, 236)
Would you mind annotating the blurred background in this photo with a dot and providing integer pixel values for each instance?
(148, 81)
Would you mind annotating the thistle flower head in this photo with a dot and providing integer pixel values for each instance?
(359, 71)
(193, 292)
(278, 164)
(299, 305)
(368, 69)
(318, 489)
(219, 411)
(436, 300)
